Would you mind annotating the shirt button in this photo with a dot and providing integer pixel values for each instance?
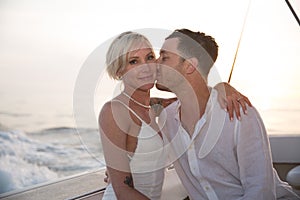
(206, 188)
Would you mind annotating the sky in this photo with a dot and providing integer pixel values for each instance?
(44, 44)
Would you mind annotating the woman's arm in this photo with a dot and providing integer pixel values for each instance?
(230, 99)
(113, 126)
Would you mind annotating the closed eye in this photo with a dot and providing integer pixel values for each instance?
(164, 58)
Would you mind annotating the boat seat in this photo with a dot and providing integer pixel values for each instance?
(293, 177)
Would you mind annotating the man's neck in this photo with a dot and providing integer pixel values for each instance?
(193, 107)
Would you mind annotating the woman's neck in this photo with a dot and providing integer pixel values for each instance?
(140, 96)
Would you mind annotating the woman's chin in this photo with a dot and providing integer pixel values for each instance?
(161, 87)
(147, 86)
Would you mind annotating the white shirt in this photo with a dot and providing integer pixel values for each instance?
(223, 159)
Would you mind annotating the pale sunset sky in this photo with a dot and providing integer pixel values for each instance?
(43, 45)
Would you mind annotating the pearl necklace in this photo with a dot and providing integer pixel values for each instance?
(135, 101)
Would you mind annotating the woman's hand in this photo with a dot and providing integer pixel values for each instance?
(231, 100)
(158, 104)
(106, 178)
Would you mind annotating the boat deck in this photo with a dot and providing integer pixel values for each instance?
(69, 188)
(89, 186)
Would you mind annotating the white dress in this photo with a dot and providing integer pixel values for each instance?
(147, 163)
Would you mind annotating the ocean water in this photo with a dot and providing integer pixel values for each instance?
(29, 158)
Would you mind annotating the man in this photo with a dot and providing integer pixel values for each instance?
(216, 158)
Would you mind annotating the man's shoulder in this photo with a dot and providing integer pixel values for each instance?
(251, 113)
(252, 119)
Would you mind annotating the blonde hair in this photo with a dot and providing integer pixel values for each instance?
(116, 56)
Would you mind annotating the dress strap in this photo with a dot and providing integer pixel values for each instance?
(131, 110)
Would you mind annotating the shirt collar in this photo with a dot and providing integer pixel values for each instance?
(208, 109)
(207, 114)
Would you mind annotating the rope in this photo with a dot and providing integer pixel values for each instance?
(238, 46)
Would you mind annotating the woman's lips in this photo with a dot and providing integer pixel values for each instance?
(147, 78)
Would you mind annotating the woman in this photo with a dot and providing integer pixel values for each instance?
(132, 142)
(127, 124)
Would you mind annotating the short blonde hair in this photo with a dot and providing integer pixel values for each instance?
(116, 55)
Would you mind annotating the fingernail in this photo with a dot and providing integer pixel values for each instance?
(225, 109)
(231, 118)
(239, 118)
(246, 112)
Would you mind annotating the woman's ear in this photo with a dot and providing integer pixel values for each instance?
(191, 65)
(119, 74)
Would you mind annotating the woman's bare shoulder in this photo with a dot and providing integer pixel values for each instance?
(114, 115)
(111, 108)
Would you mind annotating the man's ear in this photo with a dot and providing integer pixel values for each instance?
(191, 65)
